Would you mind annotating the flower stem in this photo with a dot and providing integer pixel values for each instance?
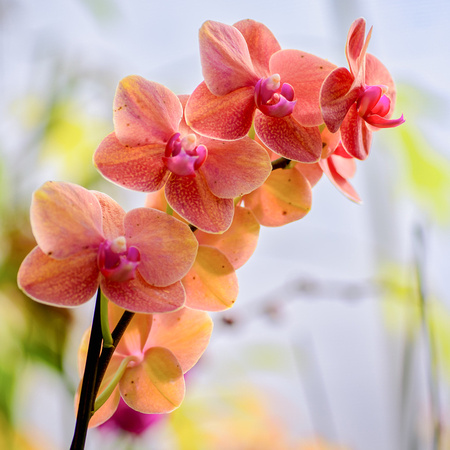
(87, 398)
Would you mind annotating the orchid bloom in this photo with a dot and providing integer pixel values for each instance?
(86, 240)
(211, 284)
(148, 366)
(152, 147)
(361, 100)
(246, 78)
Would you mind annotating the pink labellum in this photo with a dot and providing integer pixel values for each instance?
(183, 157)
(116, 262)
(273, 100)
(372, 106)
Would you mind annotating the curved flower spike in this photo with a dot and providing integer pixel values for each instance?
(147, 369)
(248, 78)
(153, 147)
(361, 100)
(85, 239)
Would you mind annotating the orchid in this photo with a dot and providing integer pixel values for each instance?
(147, 368)
(86, 240)
(152, 147)
(361, 100)
(211, 284)
(247, 78)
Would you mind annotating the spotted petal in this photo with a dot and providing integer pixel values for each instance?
(145, 112)
(305, 73)
(138, 296)
(285, 197)
(154, 386)
(288, 138)
(235, 168)
(337, 95)
(194, 201)
(65, 219)
(225, 58)
(237, 243)
(137, 168)
(185, 333)
(167, 246)
(69, 282)
(227, 117)
(211, 284)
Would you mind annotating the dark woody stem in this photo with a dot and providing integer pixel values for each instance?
(94, 371)
(86, 401)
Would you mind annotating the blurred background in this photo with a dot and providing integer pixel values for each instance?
(340, 338)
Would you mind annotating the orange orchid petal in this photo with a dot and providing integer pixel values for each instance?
(105, 412)
(65, 219)
(288, 138)
(337, 95)
(167, 246)
(69, 282)
(227, 117)
(261, 44)
(154, 386)
(312, 172)
(377, 74)
(193, 200)
(136, 333)
(339, 181)
(185, 333)
(329, 142)
(225, 58)
(113, 215)
(138, 296)
(305, 73)
(137, 168)
(355, 44)
(211, 284)
(235, 168)
(355, 135)
(145, 112)
(237, 243)
(285, 197)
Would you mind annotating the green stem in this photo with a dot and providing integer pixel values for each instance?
(107, 352)
(106, 393)
(87, 396)
(106, 333)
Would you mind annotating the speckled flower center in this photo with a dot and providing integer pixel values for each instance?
(273, 98)
(117, 262)
(183, 156)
